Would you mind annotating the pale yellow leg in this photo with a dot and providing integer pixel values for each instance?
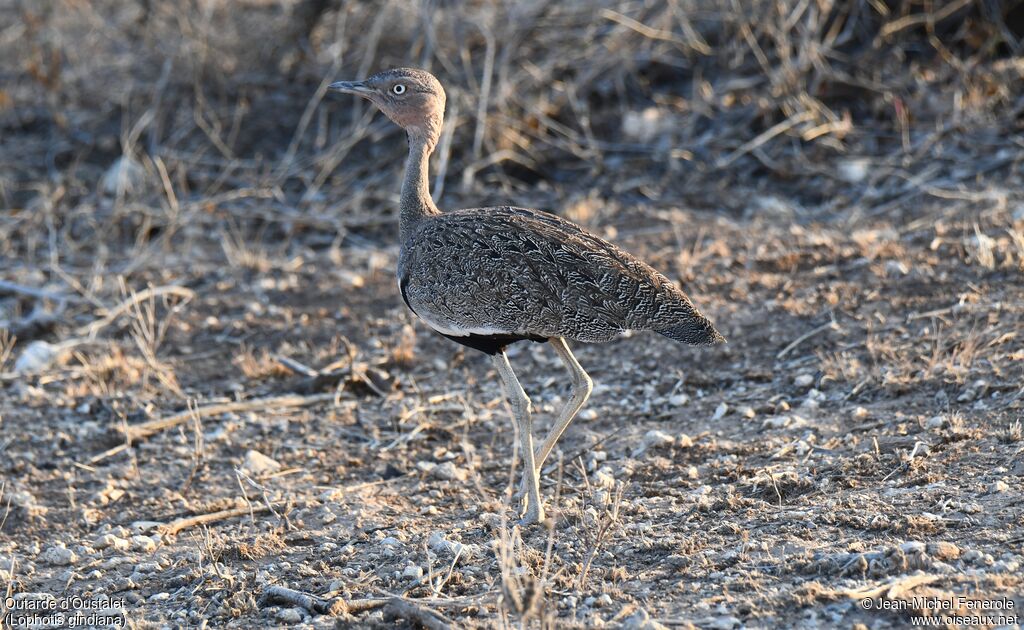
(520, 403)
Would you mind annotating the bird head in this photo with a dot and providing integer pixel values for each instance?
(412, 99)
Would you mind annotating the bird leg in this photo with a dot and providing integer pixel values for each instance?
(520, 403)
(582, 385)
(581, 388)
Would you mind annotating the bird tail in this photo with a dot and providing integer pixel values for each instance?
(697, 331)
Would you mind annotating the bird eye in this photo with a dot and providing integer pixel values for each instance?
(398, 89)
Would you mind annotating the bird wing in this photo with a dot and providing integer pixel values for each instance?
(520, 271)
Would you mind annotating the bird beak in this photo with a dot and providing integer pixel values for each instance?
(359, 88)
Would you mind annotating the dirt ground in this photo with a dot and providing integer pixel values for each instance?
(214, 396)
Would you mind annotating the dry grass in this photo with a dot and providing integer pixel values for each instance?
(197, 251)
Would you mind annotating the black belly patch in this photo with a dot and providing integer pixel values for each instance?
(491, 344)
(488, 344)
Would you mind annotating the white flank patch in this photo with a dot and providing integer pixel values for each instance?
(453, 329)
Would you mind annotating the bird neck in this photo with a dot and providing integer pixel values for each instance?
(416, 203)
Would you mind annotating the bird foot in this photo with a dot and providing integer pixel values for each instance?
(534, 515)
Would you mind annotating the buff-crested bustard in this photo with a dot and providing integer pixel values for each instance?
(489, 277)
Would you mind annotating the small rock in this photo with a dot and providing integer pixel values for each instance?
(978, 558)
(854, 170)
(725, 622)
(26, 501)
(604, 478)
(803, 380)
(37, 357)
(391, 541)
(290, 615)
(684, 441)
(720, 411)
(943, 550)
(594, 458)
(258, 464)
(111, 541)
(148, 567)
(125, 175)
(640, 620)
(896, 268)
(59, 556)
(441, 545)
(449, 472)
(144, 544)
(998, 486)
(692, 472)
(653, 439)
(141, 527)
(588, 414)
(747, 412)
(776, 422)
(860, 413)
(678, 400)
(438, 543)
(1006, 566)
(935, 422)
(413, 572)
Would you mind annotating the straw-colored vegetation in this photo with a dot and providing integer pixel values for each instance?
(215, 407)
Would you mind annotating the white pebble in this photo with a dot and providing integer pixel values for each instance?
(449, 472)
(413, 572)
(999, 486)
(143, 543)
(678, 400)
(126, 175)
(258, 464)
(854, 170)
(289, 615)
(37, 357)
(776, 422)
(935, 422)
(653, 439)
(604, 478)
(720, 411)
(59, 556)
(640, 620)
(803, 380)
(110, 541)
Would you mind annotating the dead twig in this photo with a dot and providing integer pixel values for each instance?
(279, 595)
(765, 136)
(146, 429)
(175, 526)
(399, 608)
(832, 325)
(394, 607)
(20, 289)
(90, 330)
(905, 466)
